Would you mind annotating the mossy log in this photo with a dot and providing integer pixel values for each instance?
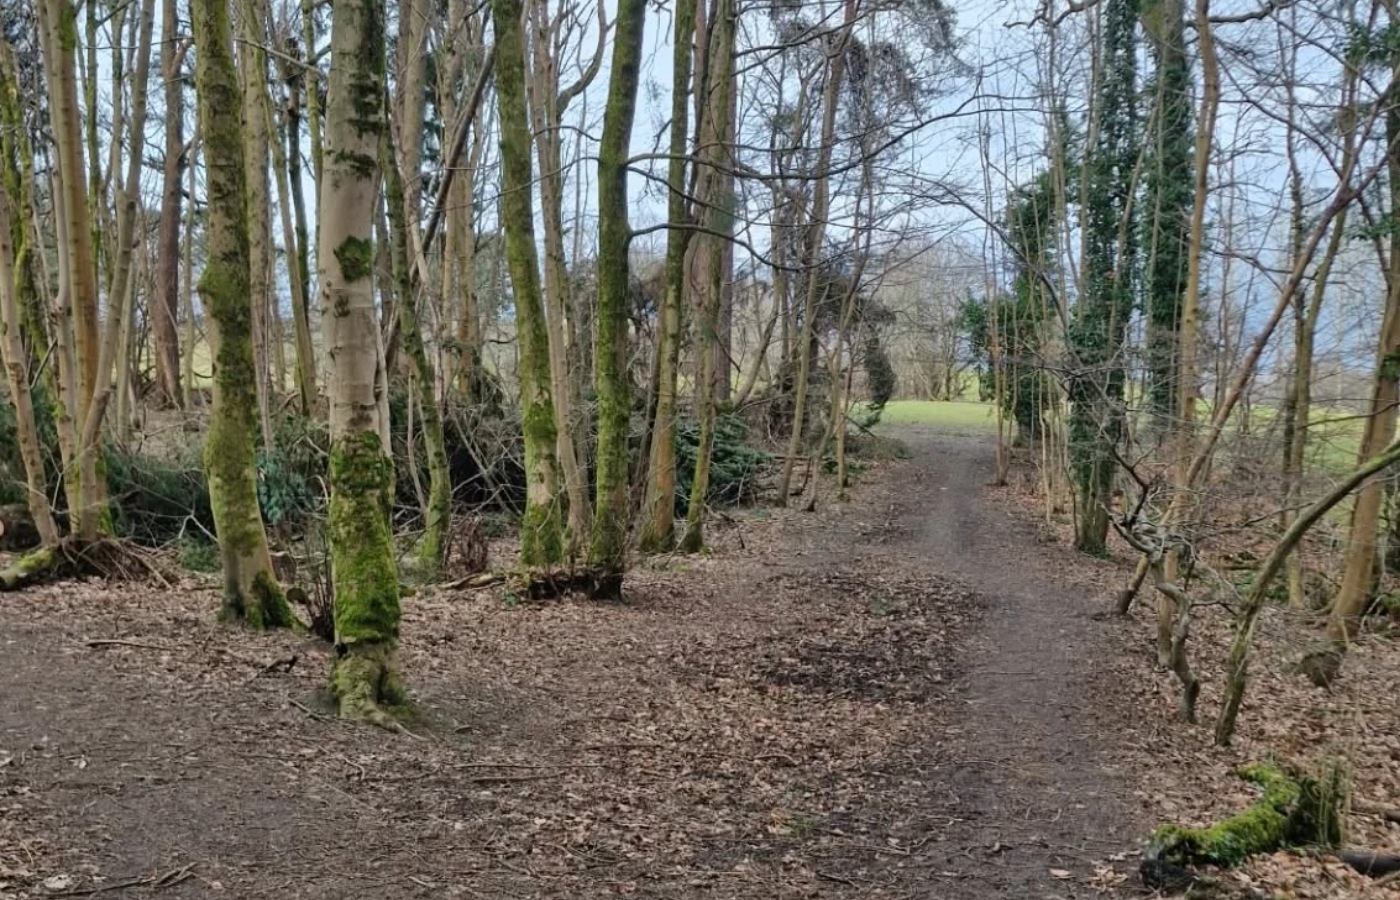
(31, 568)
(1294, 810)
(74, 557)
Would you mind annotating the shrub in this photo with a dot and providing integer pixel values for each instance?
(735, 466)
(197, 555)
(157, 501)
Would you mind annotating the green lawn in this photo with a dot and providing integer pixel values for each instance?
(1333, 438)
(954, 417)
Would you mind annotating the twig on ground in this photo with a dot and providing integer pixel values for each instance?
(308, 710)
(119, 642)
(158, 882)
(285, 664)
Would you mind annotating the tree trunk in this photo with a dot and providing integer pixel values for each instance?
(1173, 607)
(1097, 422)
(251, 592)
(187, 288)
(547, 107)
(15, 358)
(286, 162)
(816, 235)
(165, 302)
(541, 539)
(59, 26)
(608, 552)
(252, 61)
(364, 576)
(1169, 204)
(437, 510)
(714, 194)
(1344, 618)
(658, 529)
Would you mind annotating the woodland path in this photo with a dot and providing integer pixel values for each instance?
(902, 696)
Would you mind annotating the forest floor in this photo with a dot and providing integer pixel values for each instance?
(910, 694)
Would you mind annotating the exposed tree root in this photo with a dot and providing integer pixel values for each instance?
(1295, 810)
(74, 558)
(365, 680)
(593, 582)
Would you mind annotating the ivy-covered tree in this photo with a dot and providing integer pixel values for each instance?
(1109, 268)
(1167, 204)
(1020, 318)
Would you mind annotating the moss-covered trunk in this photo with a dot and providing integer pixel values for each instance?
(541, 538)
(251, 593)
(1293, 810)
(658, 529)
(13, 235)
(608, 550)
(364, 576)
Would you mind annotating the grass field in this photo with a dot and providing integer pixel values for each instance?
(952, 417)
(1334, 436)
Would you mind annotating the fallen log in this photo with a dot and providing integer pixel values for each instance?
(1294, 810)
(31, 568)
(1371, 864)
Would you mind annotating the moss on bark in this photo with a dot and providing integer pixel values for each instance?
(542, 541)
(28, 569)
(365, 680)
(608, 548)
(251, 593)
(361, 542)
(1294, 810)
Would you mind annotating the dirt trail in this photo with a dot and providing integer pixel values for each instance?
(818, 710)
(1034, 759)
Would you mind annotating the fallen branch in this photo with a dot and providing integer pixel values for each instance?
(157, 882)
(1369, 863)
(285, 665)
(76, 558)
(119, 642)
(1295, 810)
(479, 580)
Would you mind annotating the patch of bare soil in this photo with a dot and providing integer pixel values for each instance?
(900, 696)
